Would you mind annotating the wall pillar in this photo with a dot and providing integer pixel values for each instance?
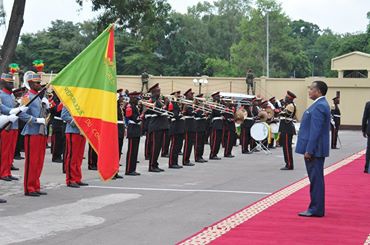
(340, 74)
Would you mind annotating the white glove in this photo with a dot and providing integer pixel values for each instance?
(46, 102)
(40, 120)
(18, 109)
(12, 118)
(3, 120)
(164, 114)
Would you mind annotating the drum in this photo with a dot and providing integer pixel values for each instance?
(260, 131)
(274, 128)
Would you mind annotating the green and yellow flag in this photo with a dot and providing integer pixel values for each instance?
(87, 87)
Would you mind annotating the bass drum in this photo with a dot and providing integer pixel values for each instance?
(274, 128)
(260, 131)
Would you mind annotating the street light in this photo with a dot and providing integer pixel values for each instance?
(200, 82)
(313, 65)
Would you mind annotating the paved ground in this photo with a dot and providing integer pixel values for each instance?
(149, 209)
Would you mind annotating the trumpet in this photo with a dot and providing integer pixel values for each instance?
(198, 107)
(152, 107)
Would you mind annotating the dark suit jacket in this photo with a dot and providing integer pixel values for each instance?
(313, 136)
(366, 119)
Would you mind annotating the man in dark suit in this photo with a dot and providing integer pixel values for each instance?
(366, 133)
(313, 143)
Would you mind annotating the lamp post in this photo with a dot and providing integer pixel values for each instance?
(202, 80)
(313, 65)
(267, 44)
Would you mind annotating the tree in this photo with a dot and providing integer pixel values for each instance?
(12, 35)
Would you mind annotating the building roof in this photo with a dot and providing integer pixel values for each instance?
(351, 61)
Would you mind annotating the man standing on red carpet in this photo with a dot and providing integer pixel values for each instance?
(313, 143)
(366, 133)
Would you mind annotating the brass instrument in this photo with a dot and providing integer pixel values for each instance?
(216, 106)
(263, 116)
(195, 106)
(240, 115)
(270, 113)
(152, 107)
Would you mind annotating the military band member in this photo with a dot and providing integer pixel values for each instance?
(74, 153)
(157, 125)
(35, 136)
(92, 159)
(10, 134)
(176, 132)
(189, 137)
(287, 129)
(166, 135)
(217, 126)
(230, 130)
(246, 138)
(335, 123)
(58, 136)
(200, 132)
(133, 133)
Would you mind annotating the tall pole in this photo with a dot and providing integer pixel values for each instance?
(267, 45)
(313, 65)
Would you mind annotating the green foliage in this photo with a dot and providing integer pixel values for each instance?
(222, 38)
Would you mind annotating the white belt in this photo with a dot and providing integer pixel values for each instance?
(287, 118)
(200, 118)
(58, 118)
(148, 115)
(216, 118)
(249, 118)
(188, 117)
(120, 122)
(132, 122)
(336, 115)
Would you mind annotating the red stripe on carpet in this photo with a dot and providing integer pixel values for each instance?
(274, 219)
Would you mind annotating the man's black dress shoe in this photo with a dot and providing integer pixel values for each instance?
(166, 155)
(200, 160)
(2, 201)
(41, 193)
(175, 166)
(229, 156)
(6, 178)
(215, 158)
(73, 185)
(117, 176)
(285, 168)
(133, 174)
(32, 194)
(155, 170)
(92, 168)
(58, 160)
(18, 158)
(188, 164)
(14, 168)
(161, 170)
(82, 184)
(12, 177)
(309, 214)
(204, 160)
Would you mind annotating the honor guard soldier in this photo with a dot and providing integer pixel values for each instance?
(121, 104)
(157, 125)
(92, 159)
(200, 132)
(35, 135)
(188, 112)
(9, 135)
(133, 133)
(335, 122)
(75, 147)
(229, 129)
(246, 138)
(177, 130)
(18, 94)
(287, 129)
(217, 126)
(58, 136)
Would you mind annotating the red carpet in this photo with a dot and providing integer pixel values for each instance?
(274, 219)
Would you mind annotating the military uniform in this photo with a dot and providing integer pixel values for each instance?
(75, 147)
(176, 133)
(246, 138)
(230, 131)
(216, 133)
(200, 133)
(335, 123)
(58, 125)
(133, 135)
(35, 140)
(189, 136)
(287, 130)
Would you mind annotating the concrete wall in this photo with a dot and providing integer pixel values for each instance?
(354, 92)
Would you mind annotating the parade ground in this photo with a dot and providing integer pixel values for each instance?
(173, 206)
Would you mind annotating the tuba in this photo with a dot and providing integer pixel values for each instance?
(263, 116)
(240, 115)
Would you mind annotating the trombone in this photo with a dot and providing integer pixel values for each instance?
(152, 107)
(198, 107)
(218, 107)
